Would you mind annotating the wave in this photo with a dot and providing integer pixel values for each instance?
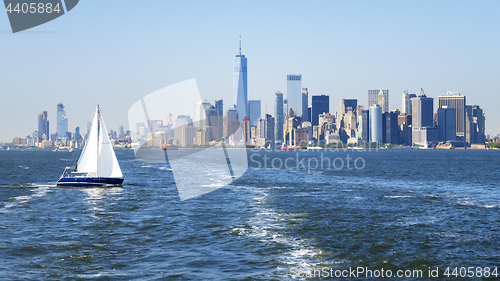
(38, 191)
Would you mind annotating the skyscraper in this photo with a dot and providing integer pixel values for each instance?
(475, 120)
(390, 127)
(240, 97)
(254, 112)
(320, 104)
(231, 126)
(447, 125)
(305, 105)
(406, 106)
(365, 125)
(279, 120)
(121, 131)
(198, 113)
(423, 132)
(219, 109)
(43, 126)
(423, 110)
(457, 101)
(294, 93)
(373, 98)
(184, 132)
(348, 103)
(62, 122)
(269, 130)
(375, 116)
(285, 109)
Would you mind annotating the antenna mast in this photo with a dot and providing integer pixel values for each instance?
(98, 136)
(240, 44)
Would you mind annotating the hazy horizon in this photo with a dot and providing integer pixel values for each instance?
(115, 52)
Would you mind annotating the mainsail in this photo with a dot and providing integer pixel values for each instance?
(98, 158)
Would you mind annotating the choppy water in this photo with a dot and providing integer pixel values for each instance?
(407, 209)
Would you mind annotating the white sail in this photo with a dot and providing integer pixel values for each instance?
(108, 165)
(88, 159)
(98, 158)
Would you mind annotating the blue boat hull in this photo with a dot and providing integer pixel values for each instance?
(89, 181)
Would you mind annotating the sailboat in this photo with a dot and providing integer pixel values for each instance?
(97, 165)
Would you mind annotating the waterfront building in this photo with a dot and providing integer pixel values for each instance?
(302, 134)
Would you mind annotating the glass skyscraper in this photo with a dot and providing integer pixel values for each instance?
(240, 97)
(423, 111)
(373, 98)
(254, 111)
(43, 126)
(294, 93)
(219, 108)
(319, 105)
(305, 105)
(375, 116)
(279, 120)
(447, 123)
(457, 101)
(62, 121)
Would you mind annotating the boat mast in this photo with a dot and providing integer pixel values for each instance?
(98, 135)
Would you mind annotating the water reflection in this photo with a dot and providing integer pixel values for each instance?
(98, 199)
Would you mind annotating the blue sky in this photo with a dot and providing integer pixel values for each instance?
(115, 52)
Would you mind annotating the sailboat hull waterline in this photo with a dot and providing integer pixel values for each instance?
(97, 165)
(89, 182)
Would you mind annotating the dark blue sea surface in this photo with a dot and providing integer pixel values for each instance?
(397, 209)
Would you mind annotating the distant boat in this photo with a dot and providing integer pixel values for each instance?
(314, 148)
(169, 147)
(97, 165)
(442, 145)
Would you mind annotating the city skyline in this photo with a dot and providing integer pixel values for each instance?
(410, 55)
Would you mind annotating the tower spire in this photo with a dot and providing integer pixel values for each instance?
(240, 44)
